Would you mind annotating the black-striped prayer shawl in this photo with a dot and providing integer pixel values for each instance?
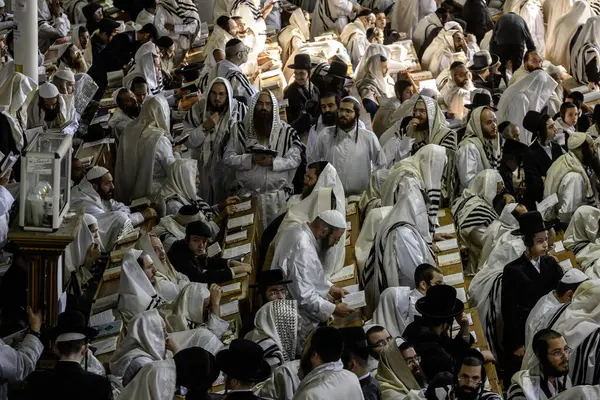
(451, 395)
(184, 9)
(491, 319)
(238, 79)
(325, 17)
(256, 13)
(475, 215)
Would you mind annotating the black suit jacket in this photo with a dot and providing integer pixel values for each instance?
(67, 381)
(535, 166)
(297, 97)
(199, 269)
(522, 287)
(370, 388)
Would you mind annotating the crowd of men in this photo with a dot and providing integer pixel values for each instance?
(406, 109)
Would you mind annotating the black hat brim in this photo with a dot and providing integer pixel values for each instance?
(262, 285)
(294, 66)
(495, 60)
(89, 332)
(547, 226)
(474, 106)
(423, 308)
(225, 361)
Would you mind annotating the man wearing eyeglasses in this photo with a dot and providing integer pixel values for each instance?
(551, 376)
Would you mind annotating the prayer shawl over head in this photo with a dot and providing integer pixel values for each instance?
(566, 163)
(186, 10)
(330, 381)
(145, 338)
(136, 293)
(187, 310)
(36, 114)
(406, 14)
(209, 63)
(15, 94)
(372, 84)
(586, 49)
(505, 223)
(276, 331)
(489, 149)
(559, 37)
(156, 381)
(135, 159)
(76, 253)
(354, 38)
(368, 230)
(217, 40)
(393, 309)
(530, 93)
(252, 15)
(526, 384)
(441, 49)
(363, 67)
(394, 377)
(296, 30)
(180, 185)
(427, 166)
(384, 265)
(582, 238)
(144, 67)
(370, 199)
(579, 323)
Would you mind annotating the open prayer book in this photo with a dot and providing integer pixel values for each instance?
(355, 300)
(343, 274)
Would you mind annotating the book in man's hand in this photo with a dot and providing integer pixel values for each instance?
(262, 151)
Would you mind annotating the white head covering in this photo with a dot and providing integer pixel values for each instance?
(576, 139)
(369, 228)
(297, 20)
(145, 244)
(574, 276)
(278, 321)
(559, 38)
(585, 48)
(2, 4)
(16, 94)
(116, 93)
(485, 185)
(333, 218)
(180, 184)
(490, 147)
(76, 251)
(48, 91)
(392, 311)
(373, 75)
(373, 49)
(145, 338)
(65, 74)
(135, 289)
(581, 237)
(96, 172)
(187, 310)
(144, 66)
(89, 219)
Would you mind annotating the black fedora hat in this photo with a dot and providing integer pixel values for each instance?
(355, 338)
(534, 120)
(481, 100)
(71, 323)
(531, 223)
(482, 60)
(270, 278)
(302, 61)
(440, 302)
(244, 360)
(338, 69)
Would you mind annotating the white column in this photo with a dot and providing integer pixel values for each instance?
(26, 37)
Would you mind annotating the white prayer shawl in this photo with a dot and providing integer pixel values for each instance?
(144, 67)
(136, 293)
(423, 28)
(586, 49)
(36, 115)
(76, 252)
(297, 255)
(366, 237)
(50, 27)
(393, 310)
(559, 37)
(276, 331)
(183, 14)
(140, 168)
(537, 319)
(180, 185)
(282, 384)
(251, 13)
(6, 202)
(145, 340)
(354, 155)
(309, 208)
(560, 170)
(406, 14)
(363, 67)
(240, 84)
(15, 94)
(74, 10)
(354, 38)
(294, 35)
(456, 97)
(556, 11)
(579, 324)
(372, 84)
(581, 237)
(330, 381)
(531, 12)
(330, 15)
(400, 246)
(528, 384)
(370, 199)
(118, 122)
(156, 381)
(270, 184)
(487, 152)
(217, 40)
(505, 223)
(169, 282)
(425, 171)
(217, 180)
(485, 290)
(18, 364)
(518, 75)
(209, 64)
(530, 93)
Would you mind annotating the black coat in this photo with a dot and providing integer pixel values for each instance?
(297, 97)
(370, 388)
(67, 381)
(535, 166)
(478, 18)
(438, 353)
(522, 287)
(199, 269)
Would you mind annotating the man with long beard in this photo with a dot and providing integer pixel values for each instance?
(50, 110)
(129, 109)
(209, 123)
(265, 153)
(457, 92)
(570, 177)
(297, 255)
(354, 152)
(321, 370)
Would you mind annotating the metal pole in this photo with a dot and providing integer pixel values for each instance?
(26, 37)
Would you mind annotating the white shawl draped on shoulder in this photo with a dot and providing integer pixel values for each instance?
(581, 237)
